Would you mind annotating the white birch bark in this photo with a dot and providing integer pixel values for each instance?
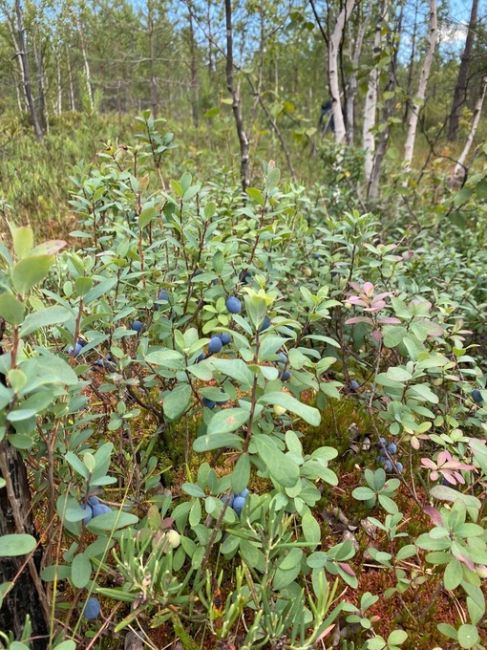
(353, 83)
(459, 170)
(86, 65)
(333, 79)
(370, 106)
(418, 100)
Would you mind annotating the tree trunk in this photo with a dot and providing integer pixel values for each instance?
(411, 63)
(460, 170)
(152, 55)
(194, 71)
(383, 140)
(333, 79)
(460, 92)
(70, 79)
(370, 107)
(86, 64)
(21, 43)
(59, 102)
(353, 83)
(418, 100)
(41, 86)
(236, 105)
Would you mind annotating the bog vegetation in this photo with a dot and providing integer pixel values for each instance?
(243, 274)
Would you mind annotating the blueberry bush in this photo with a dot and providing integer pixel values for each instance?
(240, 421)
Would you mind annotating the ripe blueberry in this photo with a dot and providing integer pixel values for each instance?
(137, 326)
(215, 344)
(92, 609)
(234, 305)
(477, 396)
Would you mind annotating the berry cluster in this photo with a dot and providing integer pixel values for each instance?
(387, 451)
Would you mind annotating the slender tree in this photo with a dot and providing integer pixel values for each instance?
(236, 103)
(460, 170)
(460, 92)
(419, 98)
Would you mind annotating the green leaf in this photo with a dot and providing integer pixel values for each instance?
(311, 528)
(363, 494)
(397, 637)
(176, 401)
(11, 309)
(468, 635)
(216, 441)
(227, 420)
(453, 575)
(424, 392)
(13, 545)
(241, 474)
(309, 414)
(31, 270)
(50, 316)
(77, 465)
(66, 645)
(445, 493)
(100, 290)
(80, 571)
(112, 521)
(234, 368)
(282, 468)
(22, 239)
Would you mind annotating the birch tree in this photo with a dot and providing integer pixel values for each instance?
(460, 92)
(370, 107)
(334, 43)
(460, 170)
(424, 74)
(236, 103)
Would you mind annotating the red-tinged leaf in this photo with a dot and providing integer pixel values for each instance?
(347, 568)
(434, 515)
(326, 632)
(358, 319)
(50, 247)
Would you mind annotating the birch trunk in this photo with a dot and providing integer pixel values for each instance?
(394, 40)
(418, 100)
(460, 93)
(59, 102)
(460, 170)
(86, 65)
(333, 79)
(70, 79)
(353, 83)
(194, 71)
(21, 45)
(41, 86)
(370, 108)
(153, 81)
(236, 104)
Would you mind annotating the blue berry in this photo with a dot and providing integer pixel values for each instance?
(244, 493)
(88, 514)
(354, 385)
(381, 459)
(238, 504)
(215, 344)
(163, 296)
(208, 403)
(92, 609)
(477, 396)
(74, 351)
(228, 499)
(234, 305)
(388, 466)
(266, 323)
(281, 357)
(399, 468)
(225, 338)
(200, 357)
(285, 375)
(137, 326)
(100, 509)
(93, 501)
(392, 448)
(382, 442)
